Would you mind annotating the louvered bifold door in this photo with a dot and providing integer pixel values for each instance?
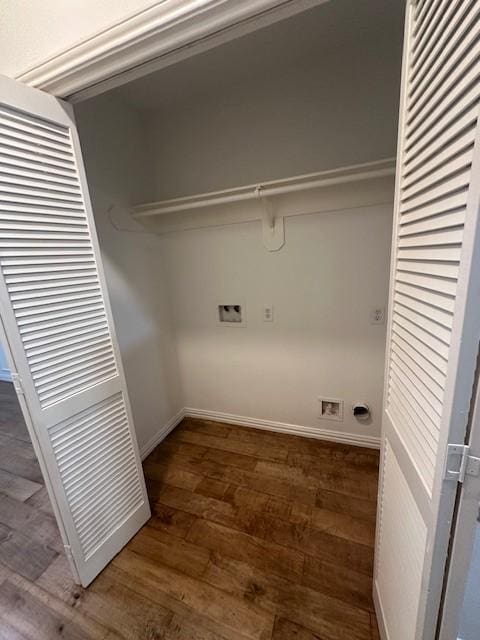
(58, 323)
(434, 310)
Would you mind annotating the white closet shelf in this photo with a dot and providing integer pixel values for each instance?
(349, 187)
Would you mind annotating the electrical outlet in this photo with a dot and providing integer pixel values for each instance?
(268, 313)
(378, 315)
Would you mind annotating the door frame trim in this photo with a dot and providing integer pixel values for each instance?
(151, 39)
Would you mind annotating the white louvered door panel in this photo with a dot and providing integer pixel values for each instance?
(59, 328)
(433, 320)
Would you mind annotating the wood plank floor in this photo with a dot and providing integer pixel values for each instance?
(29, 538)
(254, 536)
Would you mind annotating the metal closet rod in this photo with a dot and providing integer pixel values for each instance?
(363, 171)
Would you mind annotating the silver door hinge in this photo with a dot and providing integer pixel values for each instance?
(458, 457)
(17, 383)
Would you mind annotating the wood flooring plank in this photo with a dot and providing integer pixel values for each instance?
(264, 437)
(286, 630)
(5, 572)
(351, 484)
(374, 627)
(252, 449)
(39, 616)
(344, 526)
(41, 501)
(23, 554)
(211, 488)
(25, 518)
(16, 487)
(239, 497)
(198, 505)
(341, 503)
(134, 610)
(17, 447)
(11, 419)
(175, 553)
(256, 481)
(171, 520)
(280, 508)
(20, 466)
(286, 472)
(7, 632)
(272, 593)
(266, 556)
(338, 582)
(120, 609)
(321, 545)
(232, 459)
(325, 474)
(233, 615)
(352, 457)
(330, 617)
(170, 448)
(57, 581)
(186, 622)
(170, 474)
(207, 427)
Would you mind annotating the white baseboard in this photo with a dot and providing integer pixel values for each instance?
(149, 446)
(377, 601)
(5, 375)
(257, 423)
(282, 427)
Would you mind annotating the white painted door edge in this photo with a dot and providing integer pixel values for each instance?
(156, 37)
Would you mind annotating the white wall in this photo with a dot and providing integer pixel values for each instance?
(4, 368)
(113, 142)
(48, 27)
(323, 285)
(335, 107)
(316, 92)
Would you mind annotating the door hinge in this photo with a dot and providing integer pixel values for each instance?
(460, 463)
(17, 383)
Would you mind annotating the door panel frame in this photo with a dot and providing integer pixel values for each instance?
(40, 419)
(438, 509)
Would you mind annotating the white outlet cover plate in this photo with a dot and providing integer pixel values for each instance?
(378, 315)
(268, 313)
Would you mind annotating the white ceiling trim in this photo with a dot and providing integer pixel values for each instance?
(154, 38)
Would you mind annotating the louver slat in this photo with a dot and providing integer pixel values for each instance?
(440, 120)
(97, 465)
(46, 220)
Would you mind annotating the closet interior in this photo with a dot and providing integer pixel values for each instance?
(197, 175)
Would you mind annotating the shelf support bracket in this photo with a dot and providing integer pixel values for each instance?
(273, 227)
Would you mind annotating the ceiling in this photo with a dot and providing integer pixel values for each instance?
(331, 29)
